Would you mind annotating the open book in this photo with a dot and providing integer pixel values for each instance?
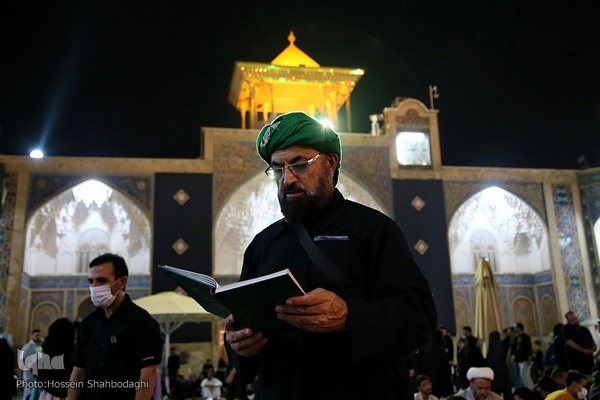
(252, 301)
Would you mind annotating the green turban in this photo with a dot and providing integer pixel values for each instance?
(298, 128)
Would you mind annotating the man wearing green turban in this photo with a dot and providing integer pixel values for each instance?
(366, 307)
(298, 128)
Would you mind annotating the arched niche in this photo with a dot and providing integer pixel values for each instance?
(89, 219)
(509, 230)
(523, 312)
(43, 315)
(549, 315)
(253, 207)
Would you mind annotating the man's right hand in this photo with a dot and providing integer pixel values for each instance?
(243, 341)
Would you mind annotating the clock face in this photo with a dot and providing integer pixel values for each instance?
(413, 149)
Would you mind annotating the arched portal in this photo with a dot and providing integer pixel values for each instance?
(253, 207)
(503, 228)
(43, 315)
(91, 218)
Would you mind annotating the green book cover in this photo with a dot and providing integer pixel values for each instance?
(252, 301)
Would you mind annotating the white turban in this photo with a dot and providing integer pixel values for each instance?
(483, 373)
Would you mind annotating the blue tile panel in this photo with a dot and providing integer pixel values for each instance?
(7, 219)
(570, 253)
(589, 186)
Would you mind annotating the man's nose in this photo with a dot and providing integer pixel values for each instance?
(288, 176)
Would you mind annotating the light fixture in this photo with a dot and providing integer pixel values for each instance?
(433, 94)
(92, 191)
(36, 153)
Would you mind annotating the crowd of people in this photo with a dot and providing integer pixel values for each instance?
(515, 366)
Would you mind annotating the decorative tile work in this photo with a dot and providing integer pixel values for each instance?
(7, 217)
(411, 117)
(544, 277)
(44, 187)
(523, 312)
(518, 303)
(517, 297)
(370, 166)
(463, 312)
(457, 192)
(44, 314)
(180, 246)
(250, 208)
(137, 293)
(589, 183)
(142, 282)
(520, 291)
(572, 264)
(75, 283)
(514, 280)
(367, 165)
(56, 227)
(589, 186)
(505, 294)
(418, 203)
(69, 306)
(38, 297)
(548, 317)
(239, 187)
(54, 283)
(49, 296)
(230, 172)
(505, 280)
(464, 280)
(421, 247)
(181, 197)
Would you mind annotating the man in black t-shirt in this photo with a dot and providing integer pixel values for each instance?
(521, 354)
(118, 345)
(579, 345)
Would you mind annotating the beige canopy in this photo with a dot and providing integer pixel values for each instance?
(174, 308)
(171, 310)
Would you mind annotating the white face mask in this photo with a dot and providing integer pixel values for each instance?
(582, 394)
(102, 296)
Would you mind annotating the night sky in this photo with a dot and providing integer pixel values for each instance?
(519, 80)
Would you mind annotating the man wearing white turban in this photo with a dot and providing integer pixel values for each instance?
(480, 383)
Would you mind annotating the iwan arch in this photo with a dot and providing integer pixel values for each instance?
(539, 228)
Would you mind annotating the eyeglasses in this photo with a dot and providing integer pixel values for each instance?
(297, 169)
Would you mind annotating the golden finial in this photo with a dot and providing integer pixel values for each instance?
(291, 37)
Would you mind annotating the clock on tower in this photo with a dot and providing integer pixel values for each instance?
(413, 149)
(414, 136)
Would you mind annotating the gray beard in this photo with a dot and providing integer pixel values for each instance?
(302, 209)
(299, 210)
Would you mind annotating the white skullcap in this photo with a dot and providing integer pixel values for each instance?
(483, 373)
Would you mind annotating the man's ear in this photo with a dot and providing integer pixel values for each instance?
(124, 280)
(332, 161)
